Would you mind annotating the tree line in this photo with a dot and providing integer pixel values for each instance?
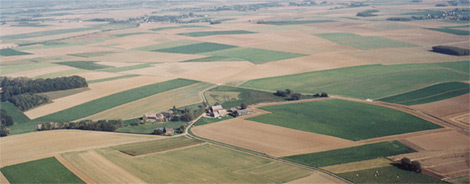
(22, 91)
(451, 50)
(100, 125)
(291, 95)
(6, 120)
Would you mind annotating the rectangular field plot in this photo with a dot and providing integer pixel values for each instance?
(389, 174)
(87, 65)
(293, 22)
(12, 52)
(353, 154)
(47, 170)
(102, 104)
(256, 56)
(456, 30)
(7, 69)
(369, 81)
(165, 45)
(205, 164)
(141, 148)
(229, 96)
(344, 119)
(127, 68)
(363, 42)
(91, 54)
(430, 94)
(177, 27)
(211, 33)
(196, 48)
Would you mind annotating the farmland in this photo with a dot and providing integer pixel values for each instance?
(114, 100)
(340, 118)
(63, 93)
(256, 56)
(363, 42)
(127, 68)
(47, 170)
(293, 22)
(141, 148)
(381, 80)
(229, 96)
(205, 120)
(243, 167)
(430, 94)
(196, 48)
(352, 154)
(210, 33)
(389, 174)
(24, 67)
(12, 52)
(87, 65)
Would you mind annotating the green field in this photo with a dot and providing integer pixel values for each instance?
(205, 164)
(12, 52)
(369, 81)
(63, 93)
(91, 54)
(196, 48)
(128, 68)
(111, 78)
(22, 123)
(389, 174)
(142, 148)
(149, 127)
(229, 96)
(177, 27)
(353, 154)
(47, 170)
(294, 22)
(205, 121)
(345, 119)
(87, 65)
(165, 45)
(101, 104)
(430, 94)
(61, 73)
(211, 33)
(256, 56)
(7, 69)
(363, 42)
(453, 30)
(129, 34)
(213, 59)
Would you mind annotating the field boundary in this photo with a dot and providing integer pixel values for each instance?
(74, 170)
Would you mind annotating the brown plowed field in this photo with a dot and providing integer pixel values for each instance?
(446, 107)
(448, 140)
(272, 140)
(36, 145)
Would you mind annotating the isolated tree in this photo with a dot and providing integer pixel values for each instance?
(296, 96)
(406, 163)
(416, 166)
(243, 106)
(280, 93)
(323, 94)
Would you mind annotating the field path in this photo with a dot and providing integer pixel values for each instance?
(74, 170)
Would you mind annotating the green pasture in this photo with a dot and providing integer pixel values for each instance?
(111, 78)
(388, 174)
(352, 154)
(429, 94)
(229, 96)
(344, 119)
(128, 68)
(63, 93)
(451, 30)
(87, 65)
(108, 102)
(47, 170)
(165, 45)
(256, 56)
(22, 123)
(368, 81)
(205, 121)
(363, 42)
(12, 52)
(213, 59)
(7, 69)
(141, 148)
(196, 48)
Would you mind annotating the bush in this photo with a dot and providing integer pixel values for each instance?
(158, 131)
(6, 119)
(451, 50)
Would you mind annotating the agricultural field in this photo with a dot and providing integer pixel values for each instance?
(127, 68)
(136, 149)
(47, 170)
(389, 174)
(430, 94)
(210, 33)
(344, 119)
(63, 93)
(196, 48)
(12, 52)
(7, 69)
(108, 102)
(241, 166)
(229, 96)
(149, 127)
(353, 154)
(87, 65)
(256, 56)
(363, 42)
(205, 120)
(293, 22)
(382, 80)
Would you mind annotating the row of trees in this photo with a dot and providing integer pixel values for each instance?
(289, 94)
(451, 50)
(367, 13)
(6, 120)
(22, 91)
(100, 125)
(407, 164)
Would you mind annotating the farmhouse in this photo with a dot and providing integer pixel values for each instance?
(242, 112)
(154, 117)
(218, 111)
